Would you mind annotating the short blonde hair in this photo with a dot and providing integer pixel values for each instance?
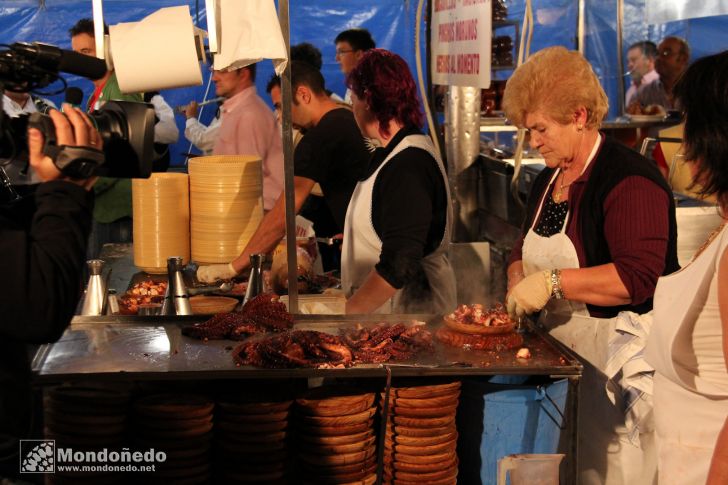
(555, 81)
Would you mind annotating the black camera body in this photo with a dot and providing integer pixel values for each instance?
(126, 128)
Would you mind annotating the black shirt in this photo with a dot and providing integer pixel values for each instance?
(333, 154)
(409, 209)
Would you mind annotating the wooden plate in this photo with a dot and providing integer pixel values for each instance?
(242, 407)
(338, 410)
(341, 449)
(424, 422)
(424, 412)
(170, 422)
(421, 450)
(251, 437)
(421, 440)
(420, 432)
(350, 419)
(244, 447)
(323, 470)
(177, 406)
(254, 418)
(210, 305)
(473, 329)
(424, 467)
(336, 440)
(420, 392)
(224, 423)
(497, 342)
(335, 430)
(349, 477)
(420, 459)
(344, 459)
(427, 402)
(334, 397)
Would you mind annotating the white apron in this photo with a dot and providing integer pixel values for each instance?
(605, 454)
(686, 438)
(362, 246)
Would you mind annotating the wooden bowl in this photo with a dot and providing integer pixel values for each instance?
(362, 417)
(341, 449)
(428, 402)
(474, 329)
(335, 430)
(337, 440)
(420, 392)
(223, 422)
(323, 408)
(420, 432)
(425, 467)
(424, 422)
(333, 460)
(421, 450)
(421, 440)
(210, 305)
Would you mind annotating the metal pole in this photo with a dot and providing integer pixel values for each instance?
(580, 23)
(620, 58)
(288, 192)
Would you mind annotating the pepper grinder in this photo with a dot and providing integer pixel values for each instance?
(94, 302)
(255, 281)
(176, 299)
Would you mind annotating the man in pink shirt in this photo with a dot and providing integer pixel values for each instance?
(248, 127)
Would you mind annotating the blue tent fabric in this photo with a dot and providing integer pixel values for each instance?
(392, 24)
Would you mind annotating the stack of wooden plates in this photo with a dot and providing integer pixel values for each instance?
(161, 220)
(336, 438)
(226, 205)
(421, 438)
(251, 440)
(86, 419)
(180, 425)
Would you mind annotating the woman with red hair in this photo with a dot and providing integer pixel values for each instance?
(398, 223)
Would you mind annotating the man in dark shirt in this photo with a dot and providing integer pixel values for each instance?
(331, 154)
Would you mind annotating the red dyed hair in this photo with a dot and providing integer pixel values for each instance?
(382, 79)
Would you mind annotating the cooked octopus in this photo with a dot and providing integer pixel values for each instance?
(263, 313)
(477, 314)
(384, 342)
(299, 348)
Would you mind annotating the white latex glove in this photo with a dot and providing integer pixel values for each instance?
(530, 295)
(214, 272)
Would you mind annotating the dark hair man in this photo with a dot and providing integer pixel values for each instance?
(641, 64)
(331, 154)
(350, 46)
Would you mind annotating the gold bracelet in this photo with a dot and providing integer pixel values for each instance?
(556, 291)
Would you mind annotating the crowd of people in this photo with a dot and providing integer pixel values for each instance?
(598, 246)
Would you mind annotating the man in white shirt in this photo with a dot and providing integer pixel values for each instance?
(203, 137)
(14, 105)
(641, 64)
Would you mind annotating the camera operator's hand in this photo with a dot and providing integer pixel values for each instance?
(73, 128)
(191, 110)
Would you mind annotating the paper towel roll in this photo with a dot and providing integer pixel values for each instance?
(249, 32)
(156, 53)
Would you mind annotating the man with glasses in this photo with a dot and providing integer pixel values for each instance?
(248, 127)
(350, 46)
(673, 56)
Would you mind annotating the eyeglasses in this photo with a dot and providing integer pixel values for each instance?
(340, 52)
(667, 53)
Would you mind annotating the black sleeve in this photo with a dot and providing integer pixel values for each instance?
(404, 202)
(42, 261)
(309, 159)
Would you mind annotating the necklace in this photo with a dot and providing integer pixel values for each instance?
(557, 195)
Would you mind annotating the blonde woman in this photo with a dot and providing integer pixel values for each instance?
(600, 229)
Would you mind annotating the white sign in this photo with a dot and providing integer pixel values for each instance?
(460, 43)
(660, 12)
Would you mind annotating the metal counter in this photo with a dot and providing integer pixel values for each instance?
(152, 348)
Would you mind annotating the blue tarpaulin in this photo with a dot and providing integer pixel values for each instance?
(392, 23)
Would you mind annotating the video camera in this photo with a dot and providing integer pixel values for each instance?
(126, 128)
